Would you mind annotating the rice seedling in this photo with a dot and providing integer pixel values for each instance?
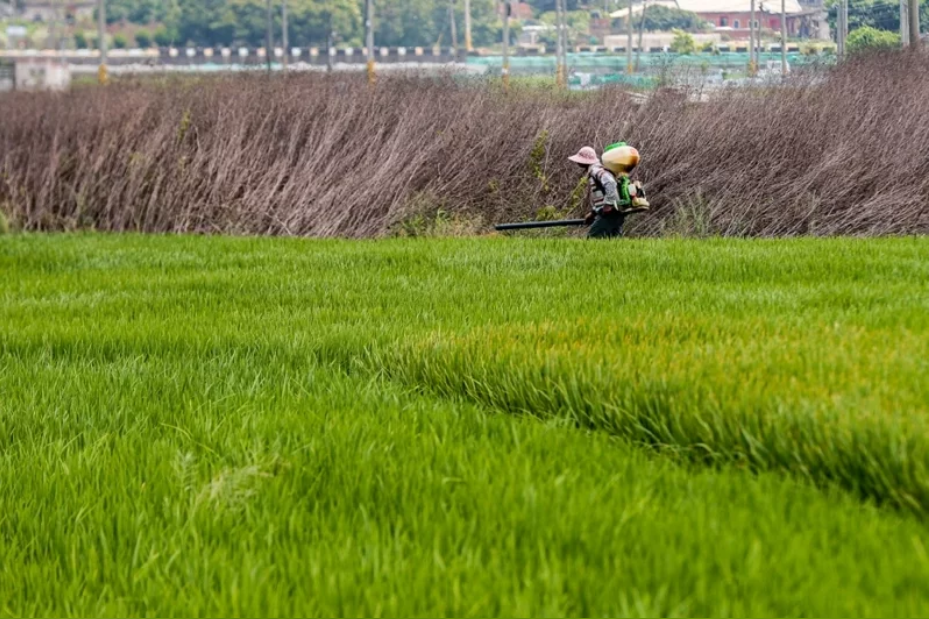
(243, 426)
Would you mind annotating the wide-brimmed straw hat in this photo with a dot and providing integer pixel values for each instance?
(585, 156)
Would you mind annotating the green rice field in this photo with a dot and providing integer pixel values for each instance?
(218, 426)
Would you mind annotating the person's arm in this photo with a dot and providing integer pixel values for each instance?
(610, 188)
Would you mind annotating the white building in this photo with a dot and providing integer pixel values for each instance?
(41, 74)
(49, 10)
(805, 19)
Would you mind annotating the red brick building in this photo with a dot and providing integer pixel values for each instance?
(737, 23)
(518, 10)
(732, 17)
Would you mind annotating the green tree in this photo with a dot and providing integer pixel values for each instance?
(80, 40)
(136, 11)
(165, 37)
(143, 39)
(544, 6)
(245, 24)
(578, 23)
(683, 43)
(229, 22)
(662, 18)
(413, 22)
(206, 22)
(120, 41)
(311, 21)
(868, 39)
(879, 14)
(486, 25)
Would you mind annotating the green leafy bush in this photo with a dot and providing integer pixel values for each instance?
(143, 39)
(165, 37)
(867, 39)
(683, 43)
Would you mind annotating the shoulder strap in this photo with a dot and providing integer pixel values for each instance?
(596, 174)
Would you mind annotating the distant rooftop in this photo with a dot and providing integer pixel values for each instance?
(716, 6)
(52, 4)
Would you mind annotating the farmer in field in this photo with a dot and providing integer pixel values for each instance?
(612, 196)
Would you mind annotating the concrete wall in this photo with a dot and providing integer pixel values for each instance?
(658, 39)
(52, 11)
(769, 22)
(42, 74)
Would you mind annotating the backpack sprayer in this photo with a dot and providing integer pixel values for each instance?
(542, 224)
(620, 159)
(559, 223)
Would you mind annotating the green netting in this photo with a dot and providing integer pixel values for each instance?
(610, 62)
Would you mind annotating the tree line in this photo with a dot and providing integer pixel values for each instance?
(310, 22)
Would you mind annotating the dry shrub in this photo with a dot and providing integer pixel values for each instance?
(845, 153)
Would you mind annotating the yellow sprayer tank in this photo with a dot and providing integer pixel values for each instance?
(620, 158)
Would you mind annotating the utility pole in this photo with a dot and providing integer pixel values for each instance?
(9, 42)
(64, 35)
(783, 38)
(506, 46)
(469, 47)
(905, 23)
(844, 25)
(751, 42)
(269, 43)
(638, 54)
(102, 75)
(369, 38)
(914, 24)
(330, 36)
(839, 51)
(564, 40)
(558, 41)
(629, 41)
(285, 39)
(560, 47)
(841, 30)
(454, 27)
(52, 41)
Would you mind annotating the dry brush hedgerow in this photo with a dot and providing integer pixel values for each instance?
(318, 156)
